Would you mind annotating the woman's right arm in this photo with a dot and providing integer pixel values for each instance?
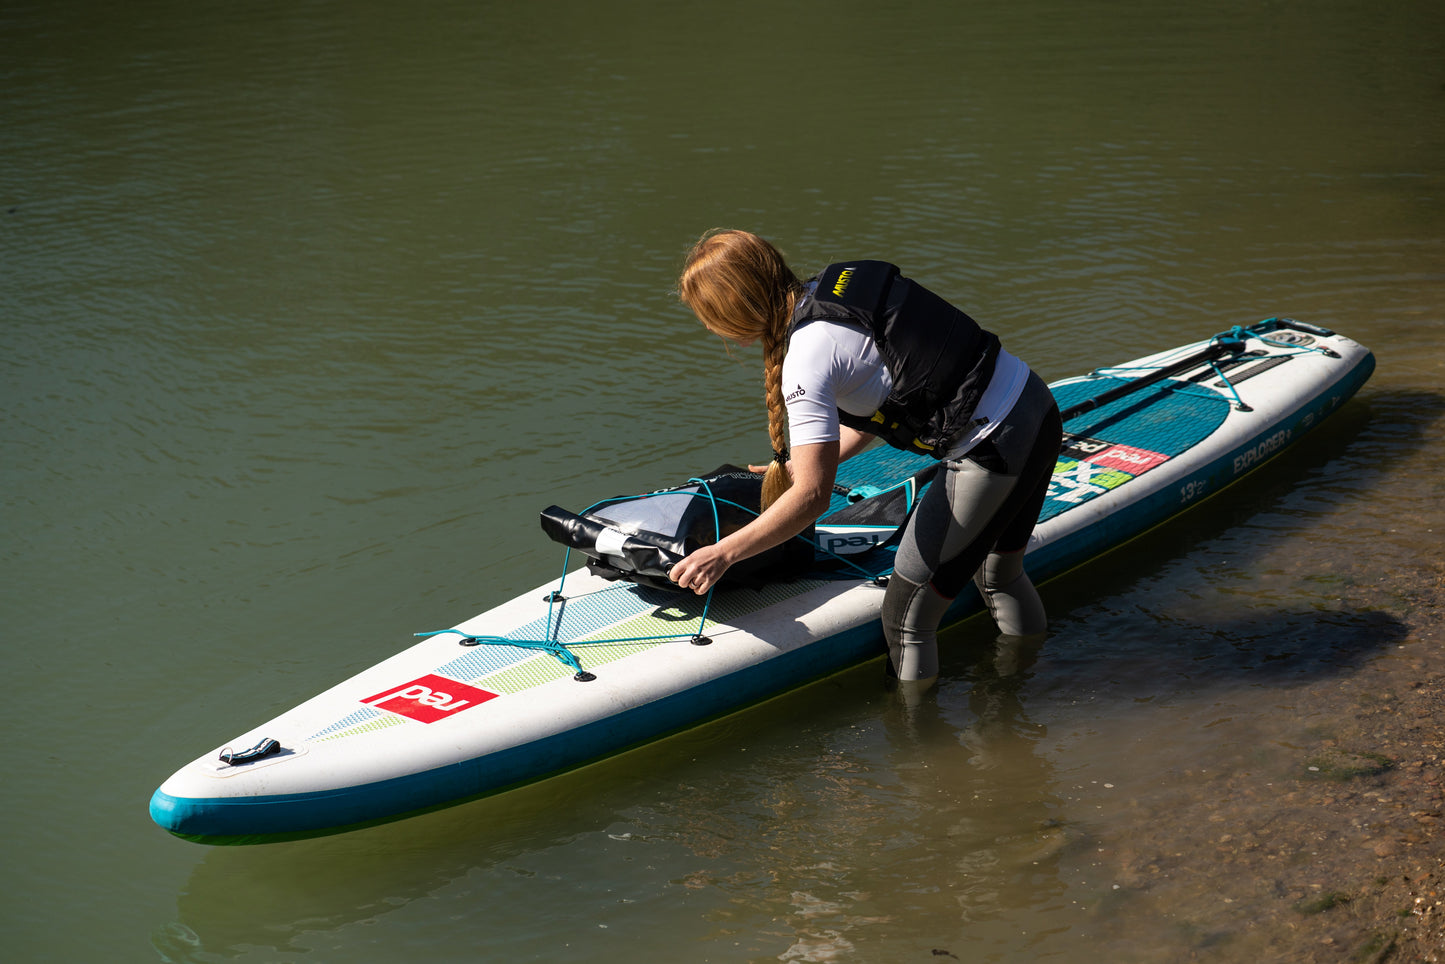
(851, 442)
(814, 469)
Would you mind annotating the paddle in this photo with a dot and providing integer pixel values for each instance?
(1217, 348)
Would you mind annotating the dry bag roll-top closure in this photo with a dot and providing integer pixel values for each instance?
(939, 358)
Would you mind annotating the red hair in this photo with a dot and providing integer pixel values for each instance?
(740, 287)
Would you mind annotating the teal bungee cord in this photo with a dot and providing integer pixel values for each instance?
(560, 651)
(1232, 340)
(556, 649)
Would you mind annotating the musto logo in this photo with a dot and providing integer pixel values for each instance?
(429, 699)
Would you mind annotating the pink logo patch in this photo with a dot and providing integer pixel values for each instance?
(1126, 458)
(429, 698)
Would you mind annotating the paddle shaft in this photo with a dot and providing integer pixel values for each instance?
(1215, 350)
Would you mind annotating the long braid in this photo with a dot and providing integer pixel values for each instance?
(775, 346)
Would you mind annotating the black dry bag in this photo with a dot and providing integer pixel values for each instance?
(640, 538)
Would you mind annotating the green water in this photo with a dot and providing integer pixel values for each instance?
(306, 309)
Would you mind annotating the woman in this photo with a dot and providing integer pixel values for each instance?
(859, 351)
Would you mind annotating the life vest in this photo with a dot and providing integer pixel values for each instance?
(939, 358)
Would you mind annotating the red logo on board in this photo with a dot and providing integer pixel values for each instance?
(429, 698)
(1126, 458)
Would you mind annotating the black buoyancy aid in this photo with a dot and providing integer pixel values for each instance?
(939, 358)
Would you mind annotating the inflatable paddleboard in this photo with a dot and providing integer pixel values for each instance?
(590, 665)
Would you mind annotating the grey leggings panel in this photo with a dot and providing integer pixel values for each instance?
(973, 522)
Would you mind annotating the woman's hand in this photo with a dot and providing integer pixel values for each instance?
(701, 569)
(813, 468)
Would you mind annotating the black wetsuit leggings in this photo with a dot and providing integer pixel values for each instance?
(974, 522)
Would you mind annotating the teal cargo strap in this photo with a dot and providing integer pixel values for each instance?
(558, 649)
(1232, 342)
(542, 645)
(562, 651)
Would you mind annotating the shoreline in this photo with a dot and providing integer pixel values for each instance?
(1340, 857)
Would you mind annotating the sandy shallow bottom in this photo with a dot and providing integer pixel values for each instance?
(1334, 855)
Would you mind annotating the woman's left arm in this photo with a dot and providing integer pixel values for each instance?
(814, 468)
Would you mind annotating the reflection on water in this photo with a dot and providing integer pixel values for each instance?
(310, 310)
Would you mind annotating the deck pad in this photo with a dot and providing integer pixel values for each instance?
(1123, 440)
